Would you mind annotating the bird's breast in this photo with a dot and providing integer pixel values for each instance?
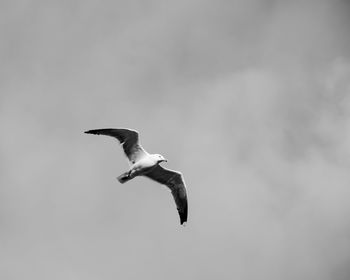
(144, 163)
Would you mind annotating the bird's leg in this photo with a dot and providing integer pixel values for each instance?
(126, 176)
(132, 172)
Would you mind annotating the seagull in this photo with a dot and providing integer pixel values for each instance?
(148, 165)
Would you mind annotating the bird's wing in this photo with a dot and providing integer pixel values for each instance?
(174, 181)
(128, 138)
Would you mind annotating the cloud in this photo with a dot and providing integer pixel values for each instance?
(248, 98)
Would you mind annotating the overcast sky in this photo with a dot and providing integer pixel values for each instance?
(250, 99)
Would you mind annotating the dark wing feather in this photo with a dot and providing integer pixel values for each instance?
(174, 181)
(127, 137)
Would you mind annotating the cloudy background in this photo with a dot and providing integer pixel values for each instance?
(250, 99)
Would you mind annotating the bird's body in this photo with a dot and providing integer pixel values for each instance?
(145, 164)
(141, 167)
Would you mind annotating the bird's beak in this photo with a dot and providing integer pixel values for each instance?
(165, 160)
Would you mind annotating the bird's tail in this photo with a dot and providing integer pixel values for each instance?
(124, 177)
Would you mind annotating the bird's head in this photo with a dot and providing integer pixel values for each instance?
(160, 158)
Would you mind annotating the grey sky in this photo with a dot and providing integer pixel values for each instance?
(249, 99)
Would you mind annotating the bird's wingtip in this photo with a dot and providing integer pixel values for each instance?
(183, 221)
(89, 132)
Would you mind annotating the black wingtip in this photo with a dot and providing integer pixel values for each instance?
(90, 132)
(183, 216)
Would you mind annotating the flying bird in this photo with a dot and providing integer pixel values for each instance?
(148, 165)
